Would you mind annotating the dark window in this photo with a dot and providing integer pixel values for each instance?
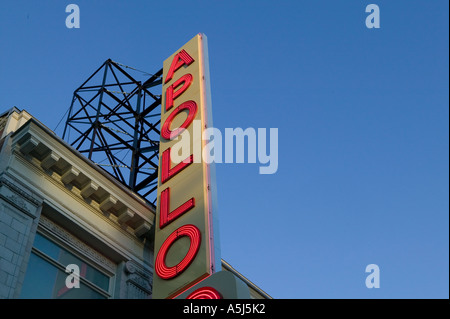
(46, 276)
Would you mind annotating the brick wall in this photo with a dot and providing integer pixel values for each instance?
(19, 212)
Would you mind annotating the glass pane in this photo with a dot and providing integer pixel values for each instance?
(65, 258)
(45, 281)
(46, 246)
(39, 279)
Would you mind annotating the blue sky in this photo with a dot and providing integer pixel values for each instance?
(362, 116)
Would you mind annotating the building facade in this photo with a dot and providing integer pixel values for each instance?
(62, 216)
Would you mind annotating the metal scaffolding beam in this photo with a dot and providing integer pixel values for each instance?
(114, 119)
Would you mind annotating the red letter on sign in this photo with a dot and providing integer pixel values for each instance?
(205, 293)
(180, 59)
(165, 217)
(171, 95)
(191, 107)
(165, 272)
(167, 172)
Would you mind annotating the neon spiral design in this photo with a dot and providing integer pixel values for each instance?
(205, 293)
(161, 268)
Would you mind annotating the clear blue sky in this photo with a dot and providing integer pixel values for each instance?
(362, 115)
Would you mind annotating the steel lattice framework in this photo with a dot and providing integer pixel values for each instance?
(114, 120)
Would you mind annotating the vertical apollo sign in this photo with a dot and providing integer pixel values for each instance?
(185, 249)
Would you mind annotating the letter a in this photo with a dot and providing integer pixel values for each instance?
(73, 19)
(373, 279)
(373, 19)
(180, 59)
(73, 280)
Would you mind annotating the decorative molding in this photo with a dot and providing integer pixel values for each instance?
(130, 268)
(74, 193)
(14, 193)
(79, 177)
(18, 202)
(136, 292)
(67, 237)
(139, 281)
(19, 191)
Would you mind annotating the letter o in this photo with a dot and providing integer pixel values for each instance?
(161, 268)
(166, 133)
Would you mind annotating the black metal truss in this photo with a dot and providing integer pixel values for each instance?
(114, 120)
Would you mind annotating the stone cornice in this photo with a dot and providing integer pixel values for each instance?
(80, 176)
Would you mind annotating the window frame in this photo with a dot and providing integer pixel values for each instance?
(44, 232)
